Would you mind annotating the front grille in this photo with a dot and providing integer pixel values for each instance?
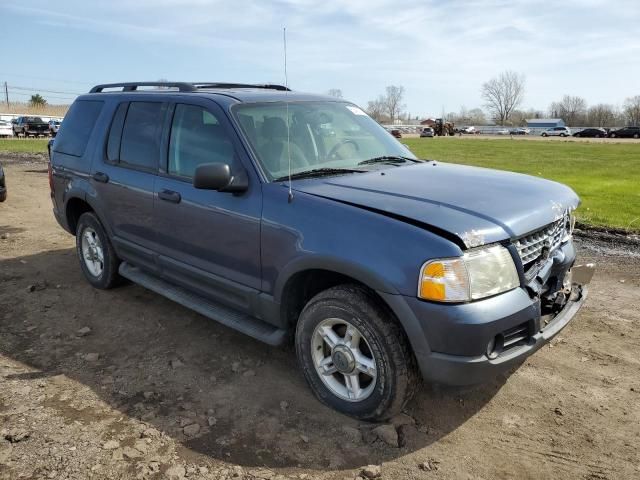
(531, 247)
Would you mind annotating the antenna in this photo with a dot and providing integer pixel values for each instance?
(286, 94)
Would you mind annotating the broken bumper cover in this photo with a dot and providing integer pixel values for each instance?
(462, 370)
(467, 329)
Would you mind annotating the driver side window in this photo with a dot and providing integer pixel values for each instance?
(197, 137)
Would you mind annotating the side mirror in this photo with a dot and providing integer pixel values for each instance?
(217, 176)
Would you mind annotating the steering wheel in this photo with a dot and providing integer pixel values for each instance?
(333, 153)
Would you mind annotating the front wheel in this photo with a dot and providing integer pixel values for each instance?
(613, 135)
(635, 135)
(354, 355)
(544, 134)
(97, 257)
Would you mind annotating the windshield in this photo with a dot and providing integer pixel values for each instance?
(322, 135)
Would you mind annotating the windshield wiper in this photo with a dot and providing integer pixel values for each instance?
(392, 159)
(317, 172)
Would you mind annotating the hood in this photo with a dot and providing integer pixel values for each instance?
(476, 205)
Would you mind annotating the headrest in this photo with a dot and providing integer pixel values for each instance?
(274, 127)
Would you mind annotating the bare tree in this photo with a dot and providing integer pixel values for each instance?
(571, 109)
(602, 115)
(503, 94)
(477, 117)
(632, 110)
(335, 92)
(377, 108)
(393, 102)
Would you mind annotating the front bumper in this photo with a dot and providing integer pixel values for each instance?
(452, 342)
(469, 370)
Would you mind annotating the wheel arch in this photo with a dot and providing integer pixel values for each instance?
(301, 282)
(76, 204)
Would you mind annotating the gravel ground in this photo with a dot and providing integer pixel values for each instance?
(126, 384)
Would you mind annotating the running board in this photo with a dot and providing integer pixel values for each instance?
(220, 313)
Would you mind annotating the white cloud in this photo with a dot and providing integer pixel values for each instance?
(440, 51)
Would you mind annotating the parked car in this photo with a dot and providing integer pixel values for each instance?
(3, 185)
(427, 132)
(626, 132)
(396, 133)
(379, 267)
(6, 130)
(468, 130)
(54, 126)
(557, 132)
(519, 131)
(591, 133)
(25, 126)
(502, 131)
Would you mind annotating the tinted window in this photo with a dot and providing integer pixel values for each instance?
(115, 133)
(78, 125)
(140, 144)
(196, 138)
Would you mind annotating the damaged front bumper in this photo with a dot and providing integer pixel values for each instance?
(472, 343)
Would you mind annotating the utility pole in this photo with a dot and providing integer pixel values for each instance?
(6, 94)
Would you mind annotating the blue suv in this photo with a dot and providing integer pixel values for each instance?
(296, 218)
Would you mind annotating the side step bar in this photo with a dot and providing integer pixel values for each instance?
(220, 313)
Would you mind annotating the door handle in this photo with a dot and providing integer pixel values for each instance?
(101, 177)
(169, 196)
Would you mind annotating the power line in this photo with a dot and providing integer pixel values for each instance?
(48, 96)
(41, 90)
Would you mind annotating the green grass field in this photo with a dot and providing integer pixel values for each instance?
(31, 145)
(605, 175)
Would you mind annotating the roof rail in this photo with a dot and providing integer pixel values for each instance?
(268, 86)
(183, 86)
(133, 86)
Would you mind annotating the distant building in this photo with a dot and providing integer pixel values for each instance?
(545, 122)
(429, 122)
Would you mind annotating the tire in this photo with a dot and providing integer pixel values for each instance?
(613, 135)
(383, 342)
(107, 276)
(544, 134)
(635, 135)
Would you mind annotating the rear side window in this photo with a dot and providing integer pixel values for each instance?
(78, 125)
(140, 145)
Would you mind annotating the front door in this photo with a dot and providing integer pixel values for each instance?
(207, 240)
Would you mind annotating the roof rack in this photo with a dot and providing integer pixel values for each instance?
(183, 86)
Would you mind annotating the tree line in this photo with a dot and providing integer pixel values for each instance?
(503, 96)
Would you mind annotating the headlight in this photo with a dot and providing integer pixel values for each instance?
(477, 274)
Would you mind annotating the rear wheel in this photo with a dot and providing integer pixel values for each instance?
(544, 134)
(635, 135)
(97, 257)
(354, 355)
(613, 135)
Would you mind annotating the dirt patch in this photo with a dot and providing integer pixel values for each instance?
(126, 384)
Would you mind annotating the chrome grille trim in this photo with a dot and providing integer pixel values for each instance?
(530, 247)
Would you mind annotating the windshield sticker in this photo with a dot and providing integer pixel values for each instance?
(355, 110)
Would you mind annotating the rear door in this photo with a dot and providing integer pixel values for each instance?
(124, 180)
(207, 240)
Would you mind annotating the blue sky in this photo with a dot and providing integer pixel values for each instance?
(440, 51)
